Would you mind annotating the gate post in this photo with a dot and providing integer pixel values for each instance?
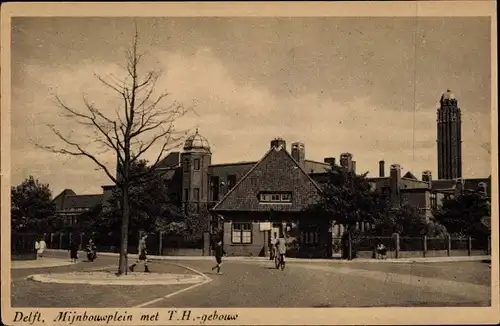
(397, 245)
(349, 243)
(425, 245)
(160, 244)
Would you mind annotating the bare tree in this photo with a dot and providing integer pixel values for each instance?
(139, 123)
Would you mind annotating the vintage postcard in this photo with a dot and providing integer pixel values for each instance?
(223, 163)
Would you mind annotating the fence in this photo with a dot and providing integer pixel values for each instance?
(22, 246)
(161, 244)
(411, 247)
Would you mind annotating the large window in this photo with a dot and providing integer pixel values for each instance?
(433, 200)
(214, 185)
(278, 197)
(231, 181)
(196, 164)
(310, 237)
(242, 233)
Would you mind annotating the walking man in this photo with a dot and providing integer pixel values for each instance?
(219, 252)
(142, 255)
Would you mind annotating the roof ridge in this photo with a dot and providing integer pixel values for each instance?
(243, 178)
(277, 149)
(304, 171)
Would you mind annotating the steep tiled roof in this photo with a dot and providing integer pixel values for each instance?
(81, 201)
(172, 160)
(273, 173)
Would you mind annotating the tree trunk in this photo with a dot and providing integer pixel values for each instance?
(123, 262)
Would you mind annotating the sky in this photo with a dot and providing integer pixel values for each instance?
(364, 85)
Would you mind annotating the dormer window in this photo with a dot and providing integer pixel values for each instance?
(275, 197)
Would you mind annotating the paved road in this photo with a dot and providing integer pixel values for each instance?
(259, 284)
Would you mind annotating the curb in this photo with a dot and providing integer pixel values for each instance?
(104, 279)
(60, 263)
(300, 260)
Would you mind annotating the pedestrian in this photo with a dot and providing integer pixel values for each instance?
(74, 249)
(40, 247)
(274, 240)
(381, 251)
(142, 255)
(219, 252)
(37, 245)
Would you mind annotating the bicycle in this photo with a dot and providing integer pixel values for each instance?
(279, 262)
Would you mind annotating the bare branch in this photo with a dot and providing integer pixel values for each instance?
(79, 151)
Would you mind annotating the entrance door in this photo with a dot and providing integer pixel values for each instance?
(275, 232)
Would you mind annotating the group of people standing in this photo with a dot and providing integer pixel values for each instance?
(40, 246)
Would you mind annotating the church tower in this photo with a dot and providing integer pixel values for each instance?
(449, 137)
(195, 159)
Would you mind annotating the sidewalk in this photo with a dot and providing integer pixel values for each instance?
(40, 263)
(306, 260)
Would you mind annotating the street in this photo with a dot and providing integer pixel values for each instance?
(259, 284)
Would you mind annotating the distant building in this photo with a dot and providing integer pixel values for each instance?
(449, 137)
(254, 200)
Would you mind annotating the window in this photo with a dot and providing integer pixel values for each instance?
(197, 194)
(283, 197)
(231, 181)
(197, 164)
(214, 185)
(310, 237)
(186, 194)
(186, 166)
(433, 201)
(242, 233)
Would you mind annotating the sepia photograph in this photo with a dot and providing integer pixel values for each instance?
(248, 159)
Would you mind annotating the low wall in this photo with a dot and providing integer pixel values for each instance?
(430, 253)
(24, 256)
(181, 252)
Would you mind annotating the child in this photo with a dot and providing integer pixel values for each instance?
(219, 252)
(142, 255)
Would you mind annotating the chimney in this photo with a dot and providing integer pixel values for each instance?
(346, 161)
(427, 177)
(395, 182)
(353, 166)
(277, 142)
(329, 160)
(381, 169)
(299, 153)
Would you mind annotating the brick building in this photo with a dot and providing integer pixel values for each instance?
(252, 201)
